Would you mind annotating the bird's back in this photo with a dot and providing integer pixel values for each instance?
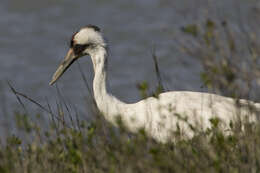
(181, 109)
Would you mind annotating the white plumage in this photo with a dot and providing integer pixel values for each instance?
(158, 116)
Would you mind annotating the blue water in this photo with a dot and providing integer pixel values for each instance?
(34, 37)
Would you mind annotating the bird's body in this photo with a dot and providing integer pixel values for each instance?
(159, 117)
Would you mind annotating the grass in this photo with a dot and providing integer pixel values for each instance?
(68, 144)
(98, 147)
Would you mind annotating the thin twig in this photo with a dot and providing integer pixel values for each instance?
(157, 70)
(52, 117)
(33, 101)
(66, 106)
(77, 117)
(17, 97)
(86, 83)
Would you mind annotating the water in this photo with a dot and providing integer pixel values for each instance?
(34, 38)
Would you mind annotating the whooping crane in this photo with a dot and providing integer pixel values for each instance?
(157, 116)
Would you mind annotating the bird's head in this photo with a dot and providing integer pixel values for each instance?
(84, 42)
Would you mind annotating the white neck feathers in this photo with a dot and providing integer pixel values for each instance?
(107, 104)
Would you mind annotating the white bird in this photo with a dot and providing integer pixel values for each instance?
(161, 116)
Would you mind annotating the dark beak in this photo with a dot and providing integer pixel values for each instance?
(69, 59)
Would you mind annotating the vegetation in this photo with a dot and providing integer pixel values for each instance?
(68, 144)
(98, 147)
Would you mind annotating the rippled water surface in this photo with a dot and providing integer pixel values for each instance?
(34, 37)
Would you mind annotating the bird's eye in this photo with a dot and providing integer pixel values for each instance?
(79, 48)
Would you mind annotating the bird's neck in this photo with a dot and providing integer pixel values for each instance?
(106, 103)
(99, 59)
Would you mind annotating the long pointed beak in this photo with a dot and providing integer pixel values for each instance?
(68, 60)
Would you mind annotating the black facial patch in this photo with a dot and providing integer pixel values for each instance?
(94, 27)
(79, 48)
(72, 40)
